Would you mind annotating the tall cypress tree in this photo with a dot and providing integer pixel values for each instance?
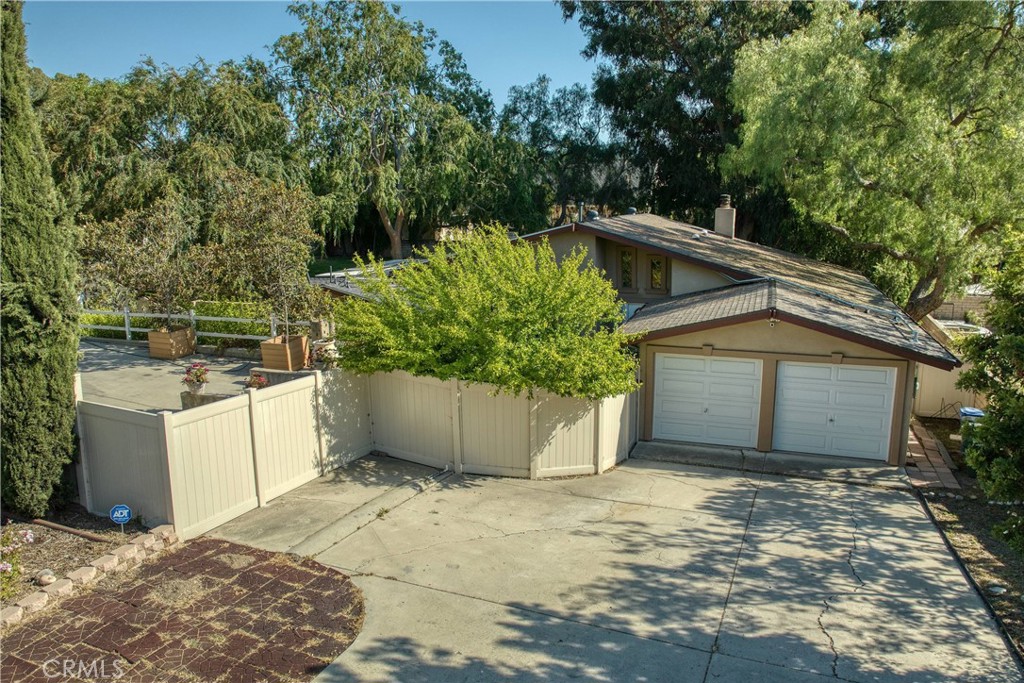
(38, 310)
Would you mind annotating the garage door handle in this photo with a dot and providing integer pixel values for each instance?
(831, 419)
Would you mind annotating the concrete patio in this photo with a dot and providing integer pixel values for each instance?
(654, 571)
(122, 374)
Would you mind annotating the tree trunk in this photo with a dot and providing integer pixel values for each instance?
(928, 294)
(393, 230)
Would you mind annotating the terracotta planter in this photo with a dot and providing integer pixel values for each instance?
(172, 344)
(285, 353)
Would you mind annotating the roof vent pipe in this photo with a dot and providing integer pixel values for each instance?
(725, 218)
(583, 206)
(631, 211)
(592, 215)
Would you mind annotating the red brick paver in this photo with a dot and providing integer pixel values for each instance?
(212, 611)
(926, 467)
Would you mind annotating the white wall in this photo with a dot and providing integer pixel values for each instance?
(202, 467)
(937, 394)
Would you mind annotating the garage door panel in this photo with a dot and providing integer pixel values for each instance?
(807, 395)
(857, 399)
(821, 373)
(747, 391)
(669, 407)
(680, 430)
(802, 441)
(678, 385)
(803, 419)
(860, 447)
(728, 434)
(826, 409)
(732, 411)
(685, 363)
(864, 375)
(853, 423)
(741, 368)
(706, 400)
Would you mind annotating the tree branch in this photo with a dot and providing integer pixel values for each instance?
(874, 246)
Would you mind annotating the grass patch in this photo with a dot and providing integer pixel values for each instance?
(334, 263)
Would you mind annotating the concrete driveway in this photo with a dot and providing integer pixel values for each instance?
(652, 572)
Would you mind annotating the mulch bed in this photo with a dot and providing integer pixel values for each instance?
(211, 611)
(967, 519)
(62, 552)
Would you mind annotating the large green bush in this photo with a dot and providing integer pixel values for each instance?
(38, 325)
(995, 446)
(486, 309)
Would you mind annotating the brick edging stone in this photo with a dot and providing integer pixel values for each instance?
(141, 547)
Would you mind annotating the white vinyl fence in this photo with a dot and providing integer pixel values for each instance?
(471, 429)
(201, 467)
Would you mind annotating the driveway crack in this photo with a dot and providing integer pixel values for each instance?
(827, 602)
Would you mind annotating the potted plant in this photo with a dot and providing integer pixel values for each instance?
(325, 354)
(257, 380)
(270, 224)
(168, 278)
(197, 376)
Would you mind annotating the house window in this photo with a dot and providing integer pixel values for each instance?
(657, 264)
(626, 269)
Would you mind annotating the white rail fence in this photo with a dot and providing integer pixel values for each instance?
(199, 468)
(193, 320)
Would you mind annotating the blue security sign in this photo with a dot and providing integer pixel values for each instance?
(120, 514)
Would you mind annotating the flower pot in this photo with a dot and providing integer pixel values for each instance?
(196, 387)
(285, 353)
(172, 343)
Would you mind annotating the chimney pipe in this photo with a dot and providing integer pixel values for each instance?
(583, 206)
(725, 218)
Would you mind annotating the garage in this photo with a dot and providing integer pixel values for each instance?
(842, 410)
(706, 399)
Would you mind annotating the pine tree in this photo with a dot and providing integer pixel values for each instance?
(38, 310)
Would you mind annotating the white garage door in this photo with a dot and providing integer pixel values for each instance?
(834, 409)
(706, 399)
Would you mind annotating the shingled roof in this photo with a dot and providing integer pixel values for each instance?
(768, 299)
(815, 293)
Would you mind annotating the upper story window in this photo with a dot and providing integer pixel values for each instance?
(659, 282)
(627, 269)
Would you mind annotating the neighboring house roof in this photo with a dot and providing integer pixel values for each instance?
(813, 293)
(769, 299)
(347, 282)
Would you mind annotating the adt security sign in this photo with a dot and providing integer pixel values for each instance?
(121, 514)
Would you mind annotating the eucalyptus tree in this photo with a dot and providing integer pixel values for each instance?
(368, 105)
(900, 128)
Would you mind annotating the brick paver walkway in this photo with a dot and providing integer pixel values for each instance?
(926, 467)
(212, 611)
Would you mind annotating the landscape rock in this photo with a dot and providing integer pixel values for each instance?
(33, 602)
(10, 615)
(84, 575)
(105, 563)
(62, 587)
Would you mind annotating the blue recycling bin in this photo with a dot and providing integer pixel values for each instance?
(968, 418)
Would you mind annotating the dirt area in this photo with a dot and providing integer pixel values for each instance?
(967, 520)
(62, 552)
(207, 612)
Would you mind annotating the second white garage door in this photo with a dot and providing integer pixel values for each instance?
(706, 399)
(834, 409)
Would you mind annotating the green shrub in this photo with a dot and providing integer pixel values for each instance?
(485, 309)
(39, 325)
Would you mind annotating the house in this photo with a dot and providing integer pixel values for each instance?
(747, 346)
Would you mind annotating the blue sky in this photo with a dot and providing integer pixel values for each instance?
(504, 43)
